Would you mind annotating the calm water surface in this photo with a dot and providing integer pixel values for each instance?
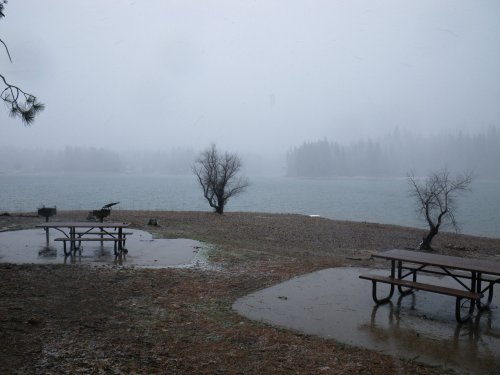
(30, 246)
(335, 303)
(359, 199)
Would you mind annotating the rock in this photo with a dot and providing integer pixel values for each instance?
(153, 222)
(34, 321)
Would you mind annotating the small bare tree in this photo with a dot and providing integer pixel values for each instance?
(20, 103)
(436, 200)
(218, 176)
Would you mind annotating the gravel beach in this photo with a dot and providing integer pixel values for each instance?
(84, 319)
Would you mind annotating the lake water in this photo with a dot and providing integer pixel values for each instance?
(360, 199)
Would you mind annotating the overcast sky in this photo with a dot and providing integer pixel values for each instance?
(258, 75)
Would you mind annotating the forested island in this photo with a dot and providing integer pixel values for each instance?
(397, 153)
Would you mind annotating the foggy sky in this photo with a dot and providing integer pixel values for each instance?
(257, 75)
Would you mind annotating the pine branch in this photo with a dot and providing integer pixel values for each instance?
(21, 104)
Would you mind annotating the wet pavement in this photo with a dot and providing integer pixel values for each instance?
(335, 303)
(30, 246)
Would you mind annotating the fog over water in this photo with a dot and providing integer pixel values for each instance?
(256, 77)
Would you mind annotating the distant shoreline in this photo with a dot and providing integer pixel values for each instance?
(378, 200)
(286, 226)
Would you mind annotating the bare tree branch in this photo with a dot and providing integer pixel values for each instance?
(217, 175)
(6, 49)
(436, 200)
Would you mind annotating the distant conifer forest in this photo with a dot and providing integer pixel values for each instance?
(398, 153)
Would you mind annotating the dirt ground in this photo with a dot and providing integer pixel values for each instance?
(112, 320)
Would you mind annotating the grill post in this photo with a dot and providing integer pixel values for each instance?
(47, 212)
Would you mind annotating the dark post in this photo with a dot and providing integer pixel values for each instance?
(47, 212)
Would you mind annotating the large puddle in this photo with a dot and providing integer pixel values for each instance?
(30, 246)
(335, 303)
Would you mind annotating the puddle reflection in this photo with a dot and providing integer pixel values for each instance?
(31, 246)
(334, 303)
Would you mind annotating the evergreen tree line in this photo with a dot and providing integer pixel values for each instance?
(396, 154)
(95, 160)
(175, 161)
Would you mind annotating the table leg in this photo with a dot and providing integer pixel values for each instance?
(406, 291)
(474, 283)
(479, 288)
(391, 291)
(381, 300)
(72, 236)
(458, 309)
(120, 235)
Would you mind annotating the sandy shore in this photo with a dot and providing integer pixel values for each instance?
(59, 319)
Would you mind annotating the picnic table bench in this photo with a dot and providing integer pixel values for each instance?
(77, 232)
(481, 276)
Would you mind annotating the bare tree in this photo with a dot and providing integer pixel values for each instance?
(436, 200)
(20, 103)
(218, 176)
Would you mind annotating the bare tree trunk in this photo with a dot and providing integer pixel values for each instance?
(217, 175)
(426, 241)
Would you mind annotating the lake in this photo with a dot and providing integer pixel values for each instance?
(381, 200)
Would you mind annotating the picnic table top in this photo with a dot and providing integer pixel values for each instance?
(83, 224)
(466, 264)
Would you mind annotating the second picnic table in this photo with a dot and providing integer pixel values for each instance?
(405, 264)
(75, 232)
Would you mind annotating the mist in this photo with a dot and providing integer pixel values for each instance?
(399, 154)
(395, 154)
(254, 77)
(90, 160)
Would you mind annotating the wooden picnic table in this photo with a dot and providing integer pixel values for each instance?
(474, 277)
(75, 232)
